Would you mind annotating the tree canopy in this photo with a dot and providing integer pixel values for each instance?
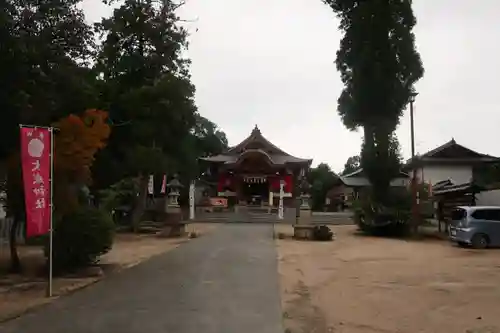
(45, 48)
(352, 164)
(58, 69)
(77, 141)
(322, 179)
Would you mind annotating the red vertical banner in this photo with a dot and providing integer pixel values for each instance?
(35, 161)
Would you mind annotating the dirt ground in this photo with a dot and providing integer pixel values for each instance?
(19, 293)
(360, 284)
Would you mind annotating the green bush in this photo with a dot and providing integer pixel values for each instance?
(322, 233)
(390, 219)
(80, 238)
(118, 195)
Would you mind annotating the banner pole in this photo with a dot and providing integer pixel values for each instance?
(51, 231)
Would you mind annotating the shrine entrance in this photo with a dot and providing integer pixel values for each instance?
(249, 175)
(255, 190)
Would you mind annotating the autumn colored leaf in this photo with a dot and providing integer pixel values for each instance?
(77, 141)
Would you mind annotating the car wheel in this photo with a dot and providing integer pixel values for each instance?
(480, 241)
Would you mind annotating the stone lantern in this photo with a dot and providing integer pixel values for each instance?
(174, 225)
(304, 195)
(304, 229)
(174, 187)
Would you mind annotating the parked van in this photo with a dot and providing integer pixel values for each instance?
(477, 226)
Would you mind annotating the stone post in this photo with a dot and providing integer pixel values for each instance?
(305, 207)
(270, 201)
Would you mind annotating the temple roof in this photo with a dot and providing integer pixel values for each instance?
(256, 143)
(452, 152)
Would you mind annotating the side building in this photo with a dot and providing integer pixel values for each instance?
(450, 161)
(351, 186)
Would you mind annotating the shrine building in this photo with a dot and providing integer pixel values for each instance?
(250, 173)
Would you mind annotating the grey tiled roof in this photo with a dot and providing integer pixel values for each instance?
(362, 182)
(276, 159)
(272, 152)
(357, 179)
(433, 155)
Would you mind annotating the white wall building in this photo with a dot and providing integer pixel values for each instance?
(431, 174)
(450, 161)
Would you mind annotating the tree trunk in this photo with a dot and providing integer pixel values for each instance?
(15, 263)
(140, 203)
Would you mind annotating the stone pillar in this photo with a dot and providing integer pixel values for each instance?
(270, 200)
(305, 207)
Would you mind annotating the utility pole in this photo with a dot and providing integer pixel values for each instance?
(415, 195)
(412, 125)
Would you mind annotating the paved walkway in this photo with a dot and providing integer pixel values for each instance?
(223, 282)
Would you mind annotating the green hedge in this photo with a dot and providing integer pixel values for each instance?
(80, 238)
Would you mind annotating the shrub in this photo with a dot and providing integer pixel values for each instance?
(118, 195)
(390, 219)
(322, 233)
(80, 238)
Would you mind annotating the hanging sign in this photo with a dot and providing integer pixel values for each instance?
(36, 165)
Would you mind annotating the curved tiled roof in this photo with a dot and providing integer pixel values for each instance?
(273, 153)
(358, 179)
(451, 152)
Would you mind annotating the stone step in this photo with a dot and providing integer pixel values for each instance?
(289, 217)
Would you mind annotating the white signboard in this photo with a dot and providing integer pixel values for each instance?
(150, 185)
(191, 201)
(280, 205)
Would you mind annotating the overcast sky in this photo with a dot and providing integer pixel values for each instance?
(271, 63)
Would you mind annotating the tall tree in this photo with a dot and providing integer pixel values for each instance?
(205, 139)
(147, 88)
(322, 179)
(77, 141)
(47, 44)
(379, 66)
(487, 174)
(211, 139)
(45, 47)
(352, 164)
